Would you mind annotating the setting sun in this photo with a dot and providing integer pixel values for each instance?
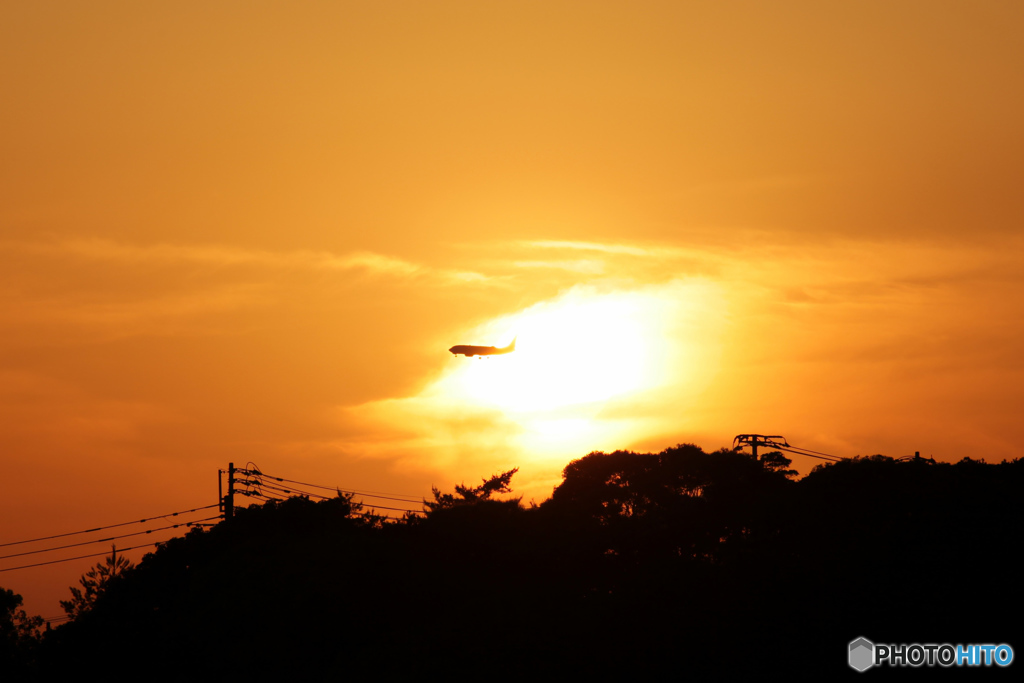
(580, 349)
(593, 368)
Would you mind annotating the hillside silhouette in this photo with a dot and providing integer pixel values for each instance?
(680, 562)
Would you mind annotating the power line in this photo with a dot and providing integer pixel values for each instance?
(812, 454)
(808, 451)
(366, 494)
(253, 494)
(395, 519)
(382, 507)
(54, 620)
(254, 480)
(81, 557)
(266, 498)
(779, 442)
(278, 489)
(109, 526)
(111, 538)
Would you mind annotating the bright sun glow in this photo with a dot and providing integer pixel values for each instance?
(575, 351)
(592, 370)
(583, 349)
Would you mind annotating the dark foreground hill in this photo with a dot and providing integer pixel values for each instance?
(680, 563)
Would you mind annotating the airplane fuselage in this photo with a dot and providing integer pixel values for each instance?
(469, 351)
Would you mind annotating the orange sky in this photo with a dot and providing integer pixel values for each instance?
(249, 231)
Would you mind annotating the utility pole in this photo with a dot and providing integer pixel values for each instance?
(228, 502)
(755, 440)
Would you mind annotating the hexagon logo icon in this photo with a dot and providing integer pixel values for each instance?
(862, 654)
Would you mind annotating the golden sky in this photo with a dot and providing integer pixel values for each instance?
(249, 231)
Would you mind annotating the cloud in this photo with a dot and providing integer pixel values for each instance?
(538, 269)
(589, 267)
(96, 288)
(588, 246)
(43, 414)
(97, 249)
(651, 251)
(95, 317)
(429, 432)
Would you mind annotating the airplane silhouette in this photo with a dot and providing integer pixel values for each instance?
(469, 351)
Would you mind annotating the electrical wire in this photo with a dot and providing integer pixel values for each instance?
(262, 495)
(393, 519)
(381, 507)
(809, 455)
(55, 620)
(111, 538)
(291, 492)
(366, 494)
(110, 526)
(277, 489)
(815, 455)
(808, 450)
(253, 479)
(81, 557)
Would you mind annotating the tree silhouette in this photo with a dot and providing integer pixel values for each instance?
(775, 461)
(640, 563)
(19, 634)
(499, 483)
(680, 502)
(94, 583)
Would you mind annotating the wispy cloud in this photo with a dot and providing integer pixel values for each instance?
(108, 289)
(588, 246)
(98, 317)
(587, 266)
(615, 260)
(232, 256)
(227, 256)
